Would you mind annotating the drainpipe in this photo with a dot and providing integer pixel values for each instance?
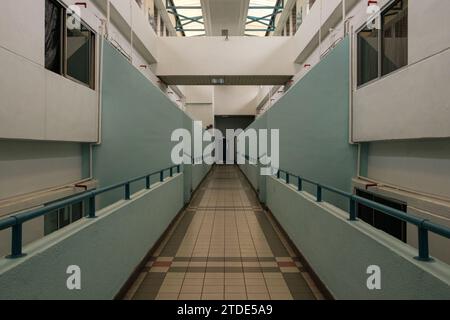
(344, 12)
(103, 34)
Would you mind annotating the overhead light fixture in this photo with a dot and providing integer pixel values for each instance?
(218, 81)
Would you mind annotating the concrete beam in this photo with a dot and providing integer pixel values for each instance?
(240, 60)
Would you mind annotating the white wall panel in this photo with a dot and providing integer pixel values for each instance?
(429, 28)
(72, 113)
(409, 104)
(22, 28)
(201, 112)
(28, 166)
(22, 98)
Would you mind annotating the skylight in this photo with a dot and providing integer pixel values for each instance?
(188, 16)
(261, 16)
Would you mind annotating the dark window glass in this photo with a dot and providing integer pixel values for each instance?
(367, 55)
(395, 37)
(63, 217)
(80, 54)
(393, 226)
(77, 211)
(53, 36)
(51, 222)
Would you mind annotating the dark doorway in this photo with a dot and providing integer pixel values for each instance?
(223, 123)
(224, 151)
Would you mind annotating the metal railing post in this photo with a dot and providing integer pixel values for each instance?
(127, 191)
(278, 174)
(178, 168)
(424, 254)
(352, 209)
(16, 241)
(91, 214)
(287, 178)
(161, 176)
(147, 182)
(319, 193)
(171, 172)
(300, 184)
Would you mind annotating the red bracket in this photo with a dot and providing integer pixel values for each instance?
(81, 186)
(371, 185)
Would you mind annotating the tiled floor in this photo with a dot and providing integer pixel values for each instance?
(224, 246)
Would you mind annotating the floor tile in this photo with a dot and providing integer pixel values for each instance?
(224, 246)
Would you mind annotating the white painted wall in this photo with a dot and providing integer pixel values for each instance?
(235, 100)
(413, 102)
(28, 166)
(422, 166)
(201, 112)
(198, 94)
(37, 104)
(216, 56)
(429, 30)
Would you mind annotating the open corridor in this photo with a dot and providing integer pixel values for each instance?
(225, 152)
(224, 246)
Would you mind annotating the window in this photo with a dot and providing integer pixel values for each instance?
(288, 27)
(393, 226)
(53, 39)
(79, 54)
(161, 27)
(69, 49)
(155, 19)
(381, 52)
(63, 217)
(367, 56)
(395, 37)
(294, 19)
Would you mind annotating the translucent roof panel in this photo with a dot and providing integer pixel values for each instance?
(189, 17)
(260, 17)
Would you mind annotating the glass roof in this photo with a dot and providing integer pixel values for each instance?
(189, 20)
(261, 16)
(189, 16)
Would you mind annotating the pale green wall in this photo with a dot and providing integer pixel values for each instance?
(340, 251)
(198, 173)
(137, 123)
(313, 120)
(187, 169)
(252, 174)
(107, 249)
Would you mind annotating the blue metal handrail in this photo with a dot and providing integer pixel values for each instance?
(15, 222)
(423, 225)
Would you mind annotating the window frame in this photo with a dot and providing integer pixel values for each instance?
(92, 56)
(378, 216)
(63, 49)
(380, 76)
(69, 210)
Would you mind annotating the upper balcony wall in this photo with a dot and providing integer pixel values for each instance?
(127, 16)
(412, 102)
(215, 56)
(38, 104)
